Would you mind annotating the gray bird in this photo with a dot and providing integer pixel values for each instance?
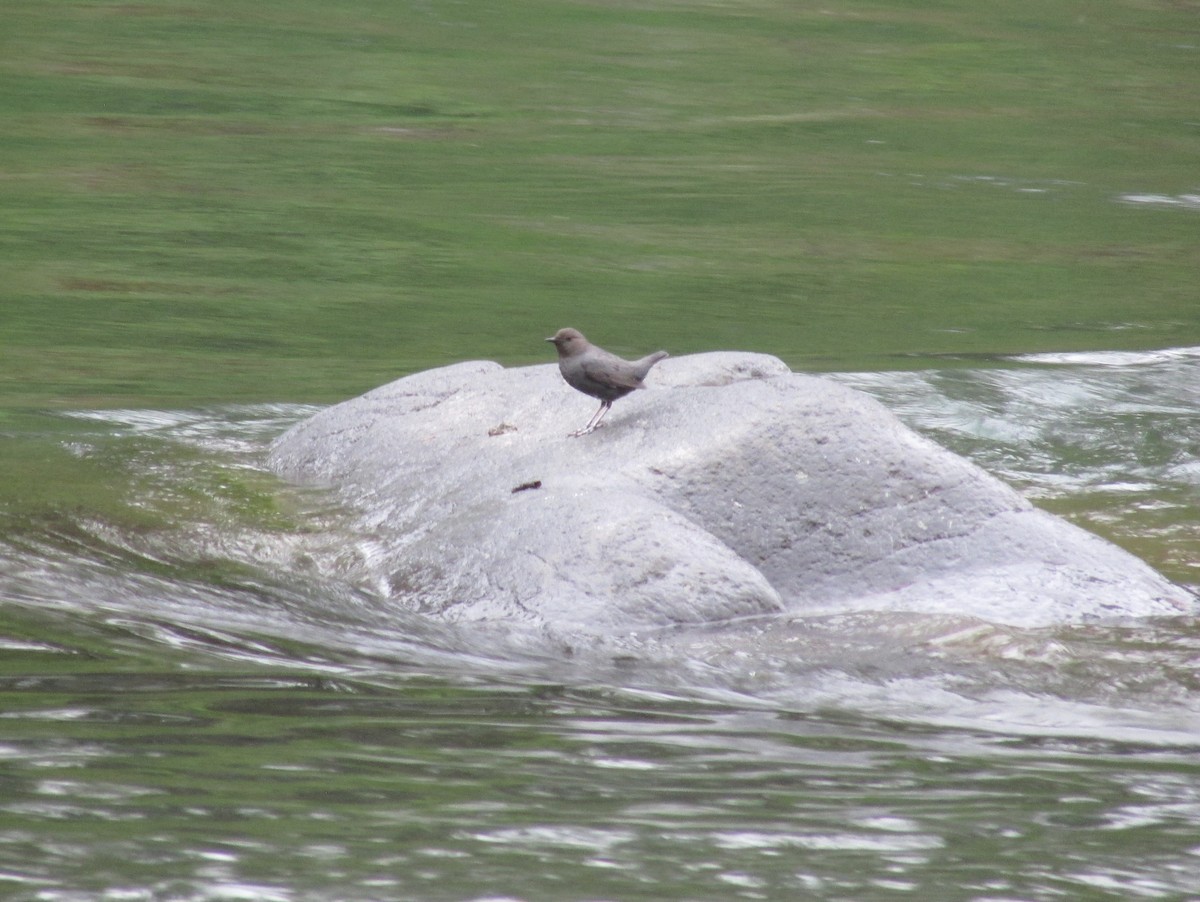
(596, 372)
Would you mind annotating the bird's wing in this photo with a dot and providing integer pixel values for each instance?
(612, 371)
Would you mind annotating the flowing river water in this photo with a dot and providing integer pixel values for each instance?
(194, 706)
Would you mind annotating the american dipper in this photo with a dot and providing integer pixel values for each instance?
(596, 372)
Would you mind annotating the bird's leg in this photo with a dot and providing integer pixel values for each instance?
(605, 407)
(591, 424)
(594, 421)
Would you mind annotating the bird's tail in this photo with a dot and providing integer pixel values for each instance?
(643, 365)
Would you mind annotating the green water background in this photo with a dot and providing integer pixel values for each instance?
(210, 201)
(207, 203)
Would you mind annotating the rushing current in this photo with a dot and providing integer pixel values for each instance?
(197, 704)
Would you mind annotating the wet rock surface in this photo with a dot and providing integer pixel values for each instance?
(730, 489)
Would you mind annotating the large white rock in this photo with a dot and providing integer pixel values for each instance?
(731, 488)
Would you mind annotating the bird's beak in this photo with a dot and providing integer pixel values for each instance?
(549, 339)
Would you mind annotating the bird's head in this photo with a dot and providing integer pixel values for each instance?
(569, 342)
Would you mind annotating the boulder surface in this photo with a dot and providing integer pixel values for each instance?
(731, 488)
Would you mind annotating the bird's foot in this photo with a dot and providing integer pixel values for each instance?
(586, 430)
